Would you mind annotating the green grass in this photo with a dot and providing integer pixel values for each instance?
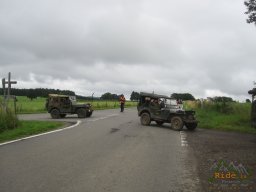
(8, 120)
(28, 128)
(12, 128)
(226, 117)
(25, 105)
(99, 105)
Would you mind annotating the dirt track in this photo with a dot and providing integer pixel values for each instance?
(213, 148)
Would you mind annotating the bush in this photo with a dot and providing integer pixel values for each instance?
(8, 120)
(220, 107)
(229, 116)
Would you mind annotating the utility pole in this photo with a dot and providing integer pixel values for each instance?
(92, 96)
(4, 90)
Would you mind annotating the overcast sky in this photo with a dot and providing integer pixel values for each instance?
(202, 47)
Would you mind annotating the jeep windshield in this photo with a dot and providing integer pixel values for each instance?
(170, 103)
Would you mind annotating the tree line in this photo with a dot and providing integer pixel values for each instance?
(44, 92)
(37, 92)
(183, 96)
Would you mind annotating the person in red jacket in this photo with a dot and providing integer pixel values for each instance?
(122, 102)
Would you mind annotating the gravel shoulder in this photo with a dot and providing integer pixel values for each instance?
(216, 151)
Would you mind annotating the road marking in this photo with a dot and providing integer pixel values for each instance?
(101, 118)
(57, 130)
(183, 138)
(41, 134)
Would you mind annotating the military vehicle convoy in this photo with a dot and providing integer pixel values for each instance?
(163, 109)
(61, 105)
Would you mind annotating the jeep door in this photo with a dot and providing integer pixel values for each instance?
(155, 110)
(65, 105)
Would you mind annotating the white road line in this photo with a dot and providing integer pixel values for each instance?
(57, 130)
(38, 135)
(183, 138)
(101, 118)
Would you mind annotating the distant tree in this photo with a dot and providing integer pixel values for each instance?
(222, 99)
(115, 96)
(183, 96)
(106, 96)
(31, 94)
(251, 11)
(39, 92)
(109, 96)
(134, 96)
(248, 101)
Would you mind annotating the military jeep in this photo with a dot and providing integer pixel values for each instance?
(163, 109)
(61, 105)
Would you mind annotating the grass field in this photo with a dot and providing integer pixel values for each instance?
(223, 116)
(25, 105)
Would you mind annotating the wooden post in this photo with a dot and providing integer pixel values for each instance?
(6, 97)
(3, 83)
(4, 94)
(9, 82)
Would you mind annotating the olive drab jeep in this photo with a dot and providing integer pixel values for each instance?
(163, 109)
(61, 105)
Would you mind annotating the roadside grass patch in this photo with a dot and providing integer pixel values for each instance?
(8, 120)
(28, 128)
(223, 116)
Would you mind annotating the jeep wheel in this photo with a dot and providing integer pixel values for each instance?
(159, 122)
(81, 113)
(55, 114)
(88, 114)
(176, 123)
(145, 119)
(191, 126)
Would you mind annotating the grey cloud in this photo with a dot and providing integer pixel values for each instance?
(198, 46)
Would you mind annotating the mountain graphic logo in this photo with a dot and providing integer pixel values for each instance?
(229, 170)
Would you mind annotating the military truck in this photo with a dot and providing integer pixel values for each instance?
(61, 105)
(253, 108)
(164, 109)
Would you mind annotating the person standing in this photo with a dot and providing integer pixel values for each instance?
(122, 102)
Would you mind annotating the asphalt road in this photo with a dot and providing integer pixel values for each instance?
(111, 151)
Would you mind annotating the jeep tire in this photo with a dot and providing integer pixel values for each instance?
(159, 122)
(81, 113)
(55, 113)
(176, 123)
(191, 126)
(145, 119)
(88, 114)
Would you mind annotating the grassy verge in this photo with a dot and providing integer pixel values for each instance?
(28, 128)
(223, 116)
(101, 105)
(8, 120)
(25, 105)
(11, 128)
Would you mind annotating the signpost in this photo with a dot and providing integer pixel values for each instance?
(8, 96)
